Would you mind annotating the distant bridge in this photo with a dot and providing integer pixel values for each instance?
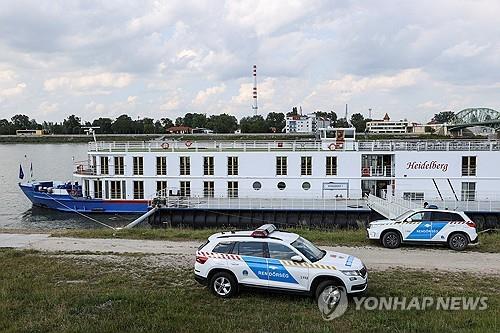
(475, 117)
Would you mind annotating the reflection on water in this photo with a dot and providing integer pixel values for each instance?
(50, 162)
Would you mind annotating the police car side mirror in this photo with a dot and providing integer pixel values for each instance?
(296, 258)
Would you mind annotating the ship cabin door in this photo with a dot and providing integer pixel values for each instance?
(379, 188)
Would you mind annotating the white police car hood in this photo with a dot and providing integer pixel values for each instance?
(341, 261)
(381, 222)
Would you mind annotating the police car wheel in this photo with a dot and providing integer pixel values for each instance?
(391, 240)
(329, 292)
(458, 242)
(223, 285)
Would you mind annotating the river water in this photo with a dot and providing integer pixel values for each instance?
(50, 162)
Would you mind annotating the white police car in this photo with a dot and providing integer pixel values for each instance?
(427, 226)
(271, 259)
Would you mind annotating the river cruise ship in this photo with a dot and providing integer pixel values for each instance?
(334, 170)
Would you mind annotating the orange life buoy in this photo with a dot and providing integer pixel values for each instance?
(165, 145)
(331, 146)
(188, 143)
(365, 172)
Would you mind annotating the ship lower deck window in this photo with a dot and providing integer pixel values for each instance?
(331, 165)
(413, 196)
(138, 189)
(119, 165)
(117, 189)
(232, 189)
(281, 186)
(185, 189)
(232, 165)
(208, 166)
(281, 165)
(257, 186)
(306, 186)
(97, 189)
(185, 165)
(138, 163)
(161, 188)
(468, 191)
(208, 189)
(161, 165)
(104, 165)
(306, 166)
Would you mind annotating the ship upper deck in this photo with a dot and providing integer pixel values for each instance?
(292, 146)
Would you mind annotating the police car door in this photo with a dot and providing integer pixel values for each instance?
(252, 269)
(418, 227)
(282, 272)
(441, 220)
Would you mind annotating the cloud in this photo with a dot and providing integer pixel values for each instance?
(203, 95)
(131, 99)
(77, 82)
(18, 89)
(46, 108)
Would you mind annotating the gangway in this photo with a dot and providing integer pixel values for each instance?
(390, 207)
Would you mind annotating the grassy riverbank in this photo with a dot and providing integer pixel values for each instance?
(489, 242)
(47, 293)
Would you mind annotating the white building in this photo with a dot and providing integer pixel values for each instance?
(305, 123)
(386, 126)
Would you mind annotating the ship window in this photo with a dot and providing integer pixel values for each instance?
(306, 166)
(232, 165)
(115, 189)
(257, 186)
(208, 165)
(468, 191)
(119, 167)
(281, 186)
(281, 167)
(104, 165)
(161, 188)
(185, 189)
(208, 189)
(468, 165)
(138, 189)
(185, 166)
(161, 165)
(232, 189)
(419, 196)
(306, 185)
(331, 165)
(138, 163)
(86, 186)
(97, 189)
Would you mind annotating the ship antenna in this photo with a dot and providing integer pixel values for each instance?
(255, 107)
(91, 131)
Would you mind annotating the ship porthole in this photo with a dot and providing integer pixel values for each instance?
(257, 186)
(306, 186)
(281, 186)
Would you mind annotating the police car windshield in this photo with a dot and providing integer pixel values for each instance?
(308, 249)
(403, 216)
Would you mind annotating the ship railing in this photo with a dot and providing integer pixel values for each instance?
(239, 203)
(277, 145)
(84, 168)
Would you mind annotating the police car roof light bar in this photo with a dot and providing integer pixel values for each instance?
(264, 230)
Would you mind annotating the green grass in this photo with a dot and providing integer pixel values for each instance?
(42, 293)
(489, 242)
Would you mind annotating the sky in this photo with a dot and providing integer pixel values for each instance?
(159, 59)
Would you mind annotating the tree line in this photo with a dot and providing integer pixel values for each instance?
(221, 123)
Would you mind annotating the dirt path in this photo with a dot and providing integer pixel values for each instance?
(181, 253)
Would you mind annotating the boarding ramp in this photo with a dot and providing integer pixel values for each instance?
(391, 207)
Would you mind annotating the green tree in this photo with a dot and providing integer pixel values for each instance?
(123, 125)
(72, 125)
(254, 124)
(21, 121)
(443, 117)
(275, 120)
(332, 116)
(104, 124)
(341, 123)
(159, 128)
(166, 122)
(6, 127)
(222, 123)
(199, 120)
(148, 126)
(359, 122)
(294, 112)
(179, 121)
